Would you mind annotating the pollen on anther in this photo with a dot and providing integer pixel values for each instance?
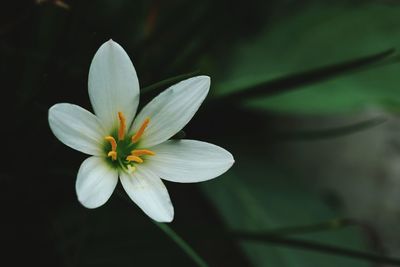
(112, 142)
(140, 132)
(113, 155)
(134, 158)
(140, 152)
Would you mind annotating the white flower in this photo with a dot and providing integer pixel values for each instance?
(135, 150)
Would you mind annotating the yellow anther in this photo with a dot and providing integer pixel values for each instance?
(122, 126)
(112, 142)
(140, 132)
(134, 158)
(113, 155)
(140, 152)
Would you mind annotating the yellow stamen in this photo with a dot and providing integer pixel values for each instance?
(140, 132)
(113, 152)
(122, 126)
(134, 158)
(113, 155)
(139, 152)
(112, 142)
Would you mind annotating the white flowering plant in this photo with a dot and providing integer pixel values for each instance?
(135, 148)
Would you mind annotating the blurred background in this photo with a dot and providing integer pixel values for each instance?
(305, 94)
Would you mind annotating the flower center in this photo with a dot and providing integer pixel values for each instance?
(123, 152)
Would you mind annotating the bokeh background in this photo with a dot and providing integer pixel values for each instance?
(305, 94)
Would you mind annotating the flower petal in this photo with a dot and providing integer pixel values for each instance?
(171, 110)
(96, 182)
(189, 161)
(77, 128)
(113, 85)
(149, 193)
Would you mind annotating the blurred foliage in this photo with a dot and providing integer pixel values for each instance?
(45, 53)
(261, 195)
(315, 36)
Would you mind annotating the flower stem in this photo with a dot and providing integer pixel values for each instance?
(189, 251)
(182, 244)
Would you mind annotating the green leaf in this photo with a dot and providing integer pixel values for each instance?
(256, 197)
(318, 247)
(311, 38)
(298, 80)
(316, 134)
(167, 82)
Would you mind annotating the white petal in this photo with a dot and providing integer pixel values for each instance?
(96, 182)
(189, 161)
(77, 128)
(113, 85)
(171, 110)
(149, 193)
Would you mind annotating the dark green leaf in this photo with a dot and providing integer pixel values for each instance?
(167, 82)
(308, 39)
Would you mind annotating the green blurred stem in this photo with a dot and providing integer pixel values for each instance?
(315, 246)
(182, 244)
(168, 82)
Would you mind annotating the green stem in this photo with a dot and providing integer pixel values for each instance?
(182, 244)
(315, 246)
(189, 251)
